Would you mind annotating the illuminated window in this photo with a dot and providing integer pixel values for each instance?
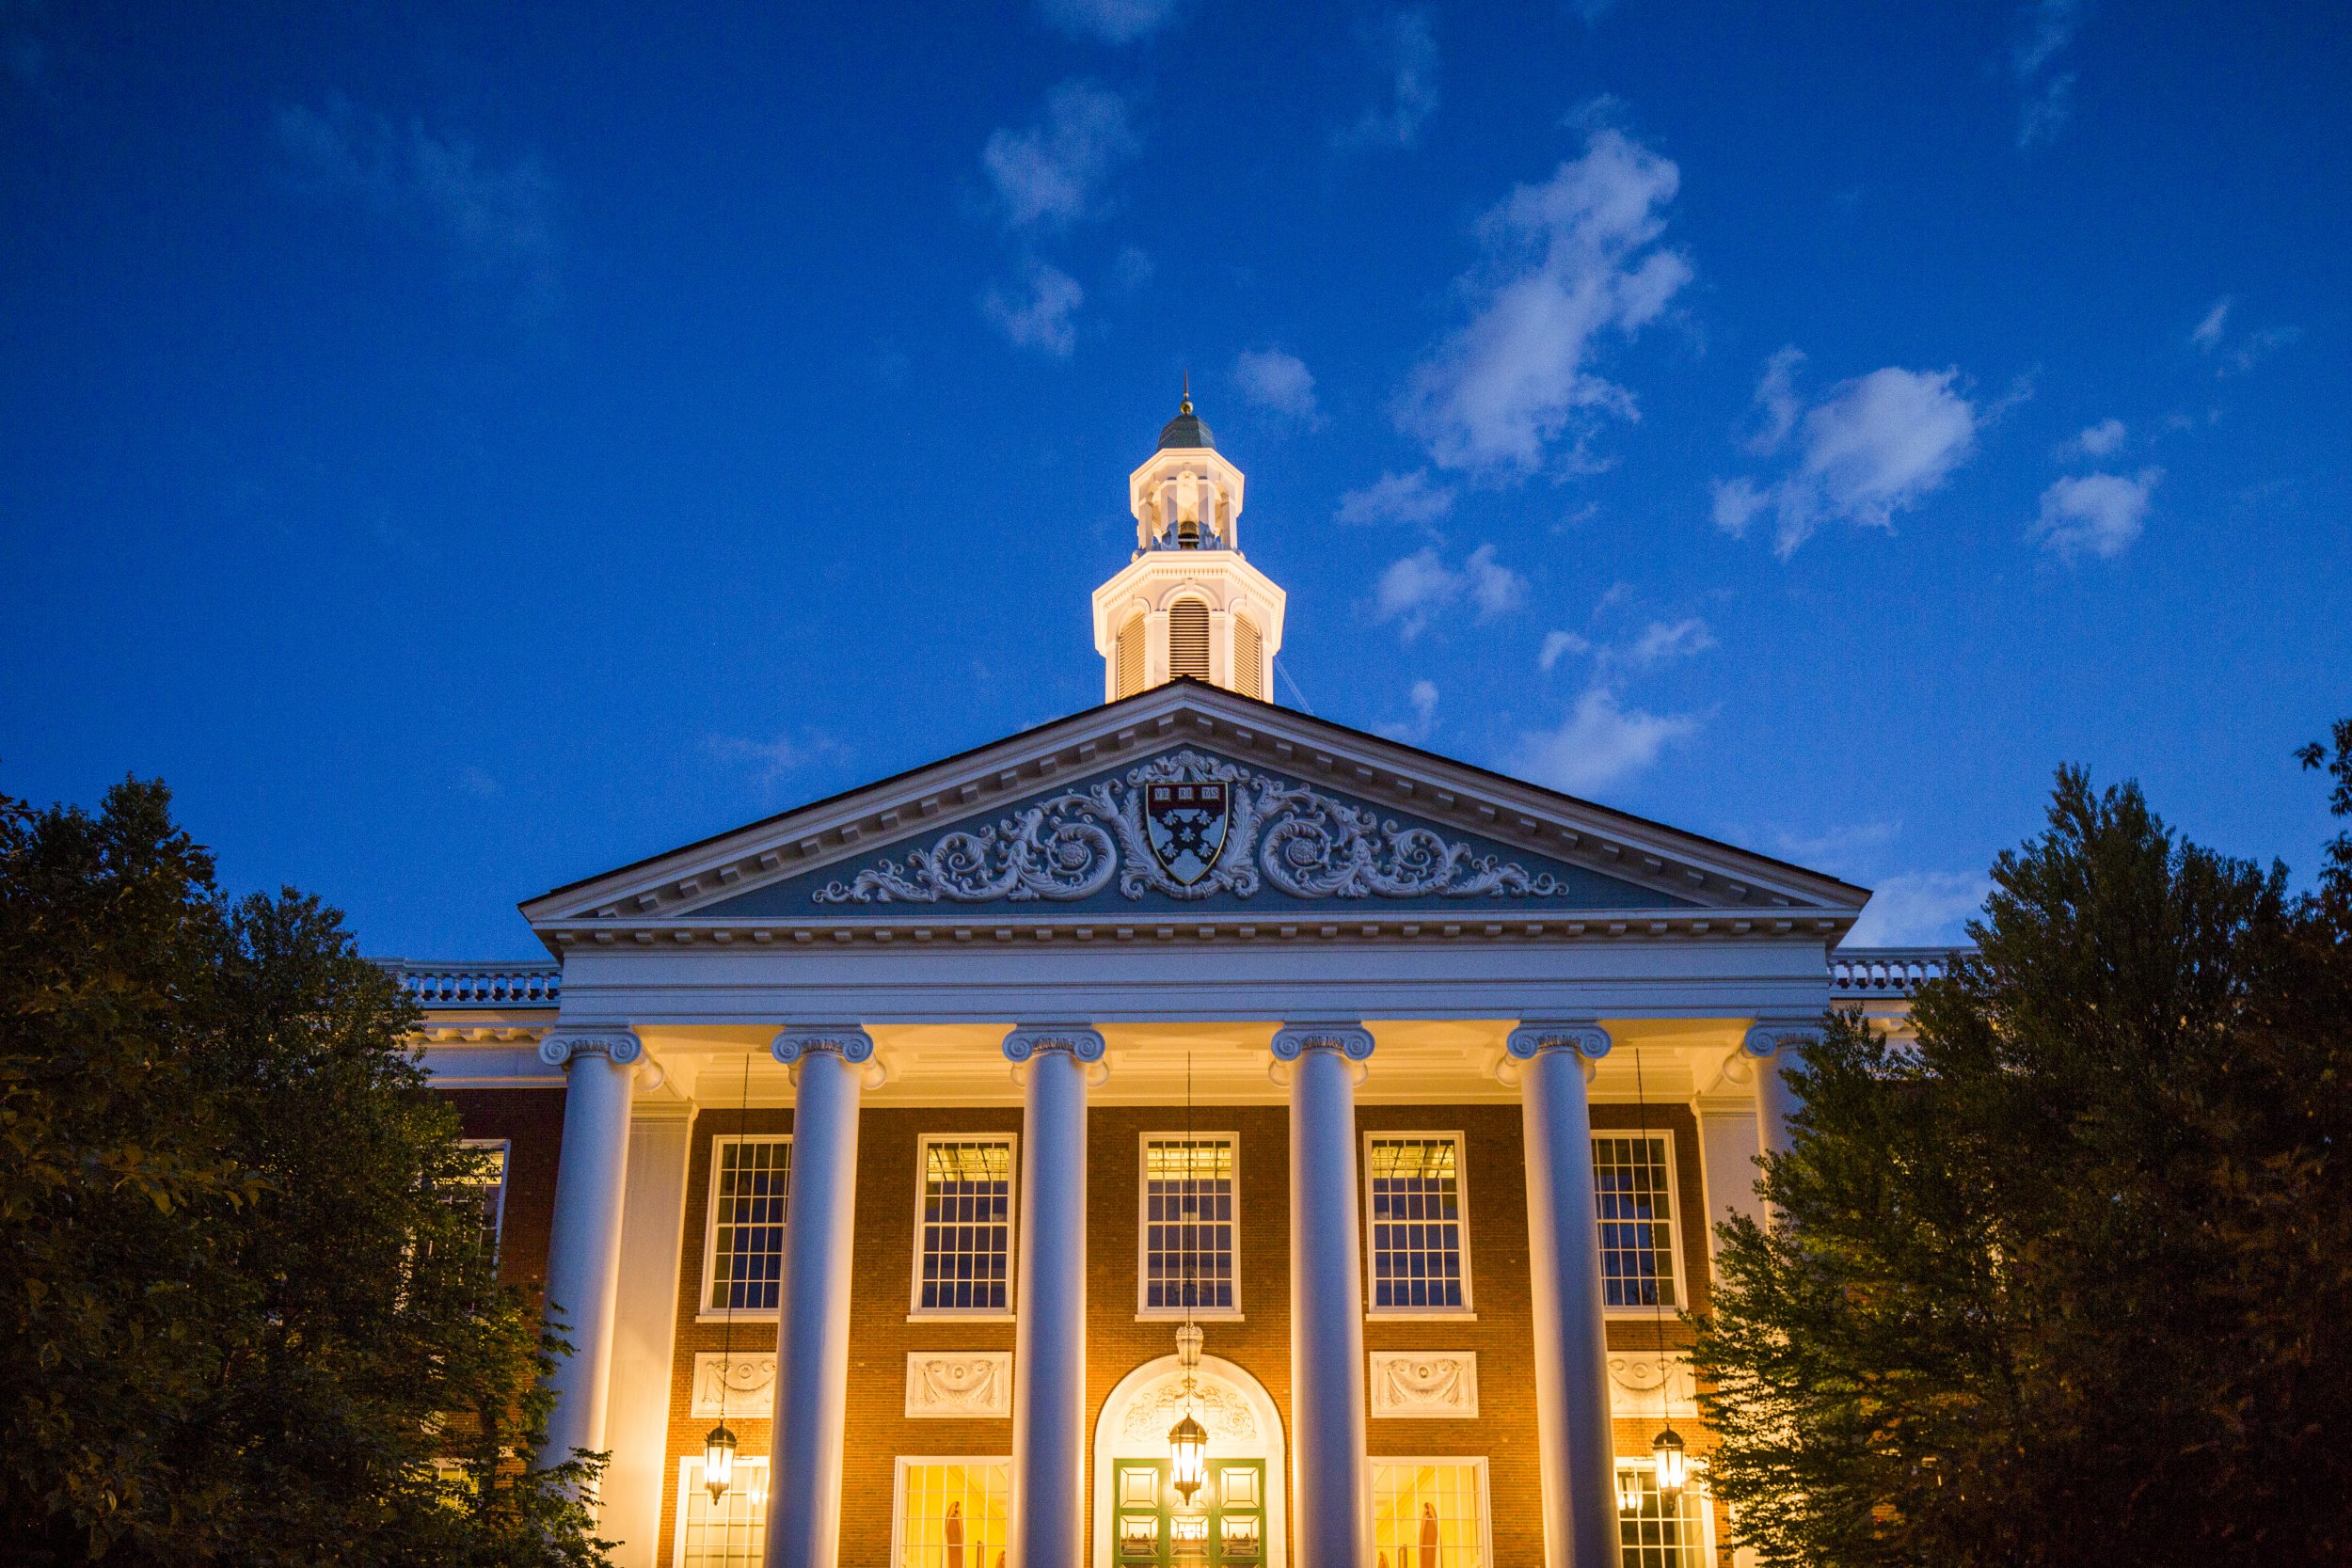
(486, 1189)
(1429, 1513)
(751, 1187)
(731, 1532)
(1188, 1224)
(951, 1512)
(1419, 1248)
(1189, 638)
(963, 1240)
(1660, 1533)
(1632, 1180)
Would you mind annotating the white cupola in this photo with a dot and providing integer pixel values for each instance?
(1187, 604)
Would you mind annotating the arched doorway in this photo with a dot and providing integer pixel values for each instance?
(1246, 1449)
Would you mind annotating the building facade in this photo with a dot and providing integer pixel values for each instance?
(1190, 1131)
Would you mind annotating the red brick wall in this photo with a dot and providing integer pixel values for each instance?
(532, 1122)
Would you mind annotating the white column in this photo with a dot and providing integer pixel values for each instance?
(584, 1247)
(1778, 1044)
(1330, 1515)
(829, 1068)
(637, 1415)
(1049, 1357)
(1729, 1145)
(1574, 1446)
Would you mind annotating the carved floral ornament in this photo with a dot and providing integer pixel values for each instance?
(1189, 824)
(1647, 1384)
(951, 1383)
(1220, 1409)
(739, 1384)
(1424, 1382)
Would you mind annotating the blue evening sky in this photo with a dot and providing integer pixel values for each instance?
(463, 453)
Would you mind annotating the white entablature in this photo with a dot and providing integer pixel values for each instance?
(1188, 604)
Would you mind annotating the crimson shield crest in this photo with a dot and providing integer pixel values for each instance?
(1185, 823)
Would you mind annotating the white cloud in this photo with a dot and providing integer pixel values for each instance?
(1424, 723)
(2097, 441)
(1870, 448)
(1405, 52)
(1567, 263)
(1039, 317)
(1396, 498)
(1837, 850)
(1415, 587)
(1662, 641)
(500, 222)
(2097, 514)
(1919, 909)
(1559, 644)
(2207, 335)
(1051, 174)
(2049, 28)
(1112, 21)
(1776, 401)
(1272, 380)
(1600, 742)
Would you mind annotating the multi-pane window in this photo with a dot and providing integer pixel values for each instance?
(1429, 1513)
(750, 1188)
(730, 1532)
(1188, 1259)
(951, 1512)
(1632, 1182)
(486, 1191)
(1419, 1250)
(1663, 1532)
(963, 1240)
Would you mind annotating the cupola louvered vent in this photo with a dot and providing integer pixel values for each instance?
(1131, 645)
(1188, 640)
(1249, 658)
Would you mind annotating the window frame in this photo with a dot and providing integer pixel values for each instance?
(1467, 1311)
(703, 1311)
(1673, 1223)
(899, 1490)
(1700, 1502)
(916, 1311)
(1144, 1312)
(1476, 1463)
(506, 1166)
(689, 1482)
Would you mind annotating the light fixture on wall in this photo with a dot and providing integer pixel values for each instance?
(1671, 1464)
(719, 1461)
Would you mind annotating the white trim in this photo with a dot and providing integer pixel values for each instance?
(1466, 1312)
(1486, 1494)
(1145, 1312)
(899, 1490)
(690, 1480)
(506, 1166)
(916, 1311)
(703, 1311)
(1674, 1222)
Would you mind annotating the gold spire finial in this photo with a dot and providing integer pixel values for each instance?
(1185, 406)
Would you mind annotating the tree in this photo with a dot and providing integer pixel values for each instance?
(2067, 1277)
(247, 1312)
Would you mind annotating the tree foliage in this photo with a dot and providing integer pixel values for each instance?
(246, 1311)
(2067, 1277)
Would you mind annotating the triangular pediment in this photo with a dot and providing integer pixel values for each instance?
(1188, 802)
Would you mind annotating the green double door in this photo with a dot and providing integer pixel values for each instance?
(1224, 1524)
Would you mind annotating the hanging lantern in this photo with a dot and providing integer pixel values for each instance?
(1187, 1456)
(1628, 1491)
(719, 1461)
(1670, 1463)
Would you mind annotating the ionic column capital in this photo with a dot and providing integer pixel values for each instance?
(1084, 1044)
(849, 1042)
(1294, 1041)
(619, 1046)
(1586, 1039)
(1768, 1036)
